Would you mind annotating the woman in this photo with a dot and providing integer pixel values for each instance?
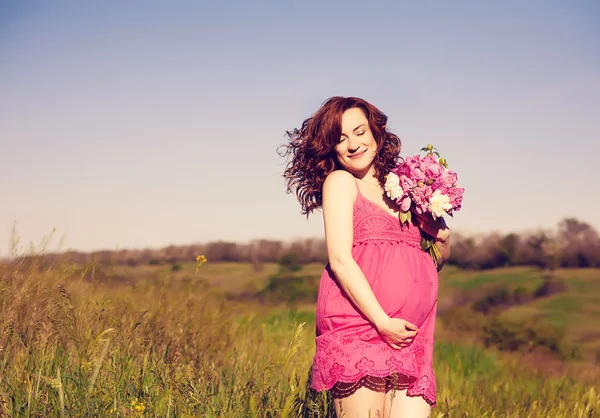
(377, 301)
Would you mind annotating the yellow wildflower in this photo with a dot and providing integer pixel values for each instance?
(200, 260)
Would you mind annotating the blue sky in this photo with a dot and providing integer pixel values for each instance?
(144, 124)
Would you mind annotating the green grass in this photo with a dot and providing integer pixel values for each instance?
(509, 277)
(473, 382)
(576, 311)
(163, 345)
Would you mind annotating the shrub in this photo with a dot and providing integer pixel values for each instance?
(522, 295)
(549, 287)
(289, 262)
(463, 318)
(501, 296)
(507, 335)
(286, 288)
(516, 335)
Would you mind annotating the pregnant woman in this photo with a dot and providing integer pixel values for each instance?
(377, 301)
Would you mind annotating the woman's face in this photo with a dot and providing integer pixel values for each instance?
(357, 147)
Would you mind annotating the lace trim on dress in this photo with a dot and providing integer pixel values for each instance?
(377, 384)
(379, 225)
(345, 379)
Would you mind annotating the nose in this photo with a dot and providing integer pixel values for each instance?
(353, 144)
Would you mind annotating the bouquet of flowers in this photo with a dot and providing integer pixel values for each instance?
(424, 184)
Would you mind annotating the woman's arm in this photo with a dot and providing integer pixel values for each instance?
(339, 193)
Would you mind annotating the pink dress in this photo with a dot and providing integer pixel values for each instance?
(405, 282)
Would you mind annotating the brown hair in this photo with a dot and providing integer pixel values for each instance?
(311, 149)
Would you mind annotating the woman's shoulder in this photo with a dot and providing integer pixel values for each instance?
(340, 178)
(340, 183)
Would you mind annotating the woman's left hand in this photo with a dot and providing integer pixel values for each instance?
(436, 228)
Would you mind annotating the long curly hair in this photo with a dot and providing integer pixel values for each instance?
(310, 150)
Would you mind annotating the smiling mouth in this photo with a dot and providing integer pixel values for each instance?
(358, 154)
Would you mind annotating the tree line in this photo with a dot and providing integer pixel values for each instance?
(571, 244)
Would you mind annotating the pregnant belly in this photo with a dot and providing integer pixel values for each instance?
(412, 301)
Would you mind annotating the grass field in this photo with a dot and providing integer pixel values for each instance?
(151, 341)
(576, 312)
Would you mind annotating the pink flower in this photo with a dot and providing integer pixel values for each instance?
(421, 196)
(420, 178)
(433, 171)
(431, 167)
(412, 162)
(439, 186)
(424, 185)
(407, 183)
(456, 197)
(405, 205)
(418, 174)
(449, 178)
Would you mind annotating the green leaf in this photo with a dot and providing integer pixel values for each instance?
(436, 251)
(425, 244)
(433, 256)
(432, 249)
(404, 217)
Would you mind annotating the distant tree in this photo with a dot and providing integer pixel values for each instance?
(509, 246)
(580, 244)
(489, 252)
(532, 249)
(461, 253)
(254, 254)
(572, 244)
(269, 250)
(223, 251)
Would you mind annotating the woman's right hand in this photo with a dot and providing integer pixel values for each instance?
(397, 332)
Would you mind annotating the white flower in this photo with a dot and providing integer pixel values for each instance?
(392, 186)
(438, 204)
